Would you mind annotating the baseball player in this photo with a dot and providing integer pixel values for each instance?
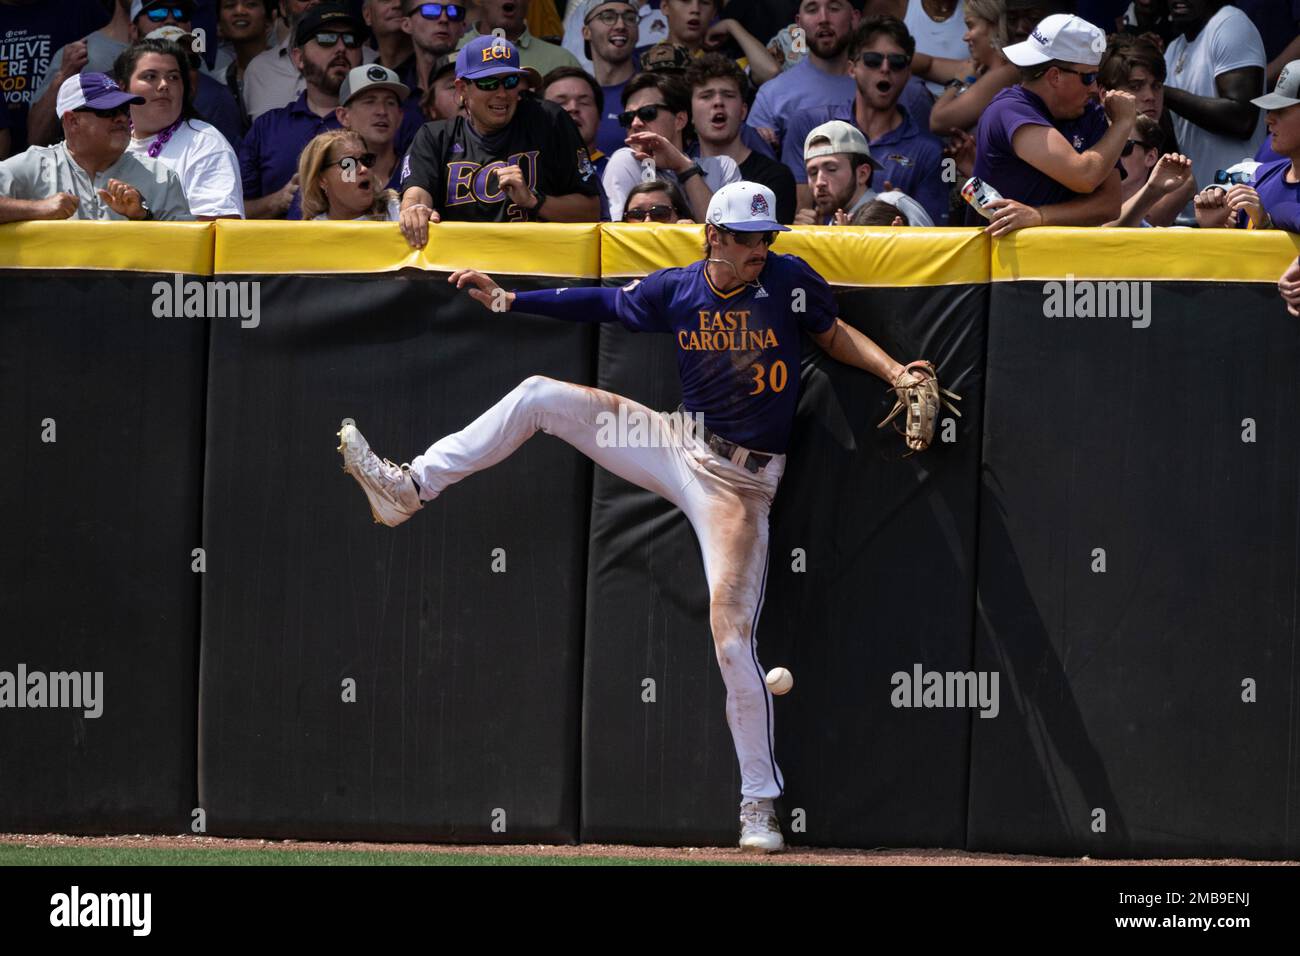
(736, 316)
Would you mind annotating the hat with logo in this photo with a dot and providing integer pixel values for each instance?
(325, 16)
(1062, 36)
(96, 91)
(140, 6)
(666, 58)
(372, 76)
(839, 137)
(744, 207)
(591, 6)
(179, 37)
(1285, 93)
(486, 56)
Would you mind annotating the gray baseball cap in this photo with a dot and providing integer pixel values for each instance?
(1285, 93)
(840, 137)
(372, 76)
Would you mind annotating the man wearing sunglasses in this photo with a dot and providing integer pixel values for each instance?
(1044, 144)
(739, 338)
(508, 15)
(435, 29)
(274, 79)
(502, 159)
(90, 175)
(910, 156)
(327, 46)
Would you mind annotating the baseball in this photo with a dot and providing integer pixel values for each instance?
(779, 680)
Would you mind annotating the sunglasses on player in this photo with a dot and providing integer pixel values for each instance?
(1087, 79)
(646, 114)
(159, 14)
(657, 213)
(327, 40)
(364, 159)
(432, 11)
(489, 84)
(110, 113)
(750, 239)
(897, 61)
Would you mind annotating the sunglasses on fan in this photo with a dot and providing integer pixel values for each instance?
(432, 11)
(488, 84)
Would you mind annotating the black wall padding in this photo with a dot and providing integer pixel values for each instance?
(1123, 689)
(96, 564)
(889, 581)
(467, 680)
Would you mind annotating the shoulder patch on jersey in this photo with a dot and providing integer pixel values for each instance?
(406, 167)
(585, 169)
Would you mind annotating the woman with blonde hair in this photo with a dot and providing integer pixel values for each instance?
(986, 73)
(336, 181)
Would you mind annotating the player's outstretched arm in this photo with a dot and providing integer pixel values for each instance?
(846, 344)
(483, 289)
(580, 304)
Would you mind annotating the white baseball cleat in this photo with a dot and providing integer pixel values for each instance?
(392, 494)
(759, 831)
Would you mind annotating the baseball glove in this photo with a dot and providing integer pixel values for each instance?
(921, 399)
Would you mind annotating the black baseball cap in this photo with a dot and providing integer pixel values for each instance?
(325, 16)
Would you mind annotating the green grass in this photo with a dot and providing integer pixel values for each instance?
(13, 855)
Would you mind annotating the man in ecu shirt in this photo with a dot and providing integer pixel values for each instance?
(502, 158)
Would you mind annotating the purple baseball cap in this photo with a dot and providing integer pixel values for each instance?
(96, 90)
(487, 56)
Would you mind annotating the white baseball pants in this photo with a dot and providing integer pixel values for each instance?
(726, 505)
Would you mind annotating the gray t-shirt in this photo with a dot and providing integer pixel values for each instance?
(42, 171)
(101, 52)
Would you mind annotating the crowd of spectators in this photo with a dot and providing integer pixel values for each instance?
(1155, 113)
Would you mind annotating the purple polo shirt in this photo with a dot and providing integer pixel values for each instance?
(912, 157)
(997, 163)
(1266, 153)
(1281, 199)
(268, 156)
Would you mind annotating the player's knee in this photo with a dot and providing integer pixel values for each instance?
(535, 388)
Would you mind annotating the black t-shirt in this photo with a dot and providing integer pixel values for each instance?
(776, 177)
(458, 166)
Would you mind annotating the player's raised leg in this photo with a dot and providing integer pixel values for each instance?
(729, 511)
(591, 420)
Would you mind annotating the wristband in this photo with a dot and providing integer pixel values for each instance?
(694, 169)
(541, 200)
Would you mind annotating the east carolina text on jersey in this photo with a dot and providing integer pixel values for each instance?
(737, 352)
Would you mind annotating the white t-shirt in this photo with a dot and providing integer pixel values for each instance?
(938, 39)
(1228, 41)
(208, 168)
(623, 172)
(394, 213)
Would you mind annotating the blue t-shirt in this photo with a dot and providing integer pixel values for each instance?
(30, 34)
(1280, 199)
(912, 157)
(802, 87)
(738, 353)
(997, 163)
(268, 156)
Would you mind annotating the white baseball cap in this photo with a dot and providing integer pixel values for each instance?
(744, 207)
(1285, 93)
(909, 207)
(1062, 36)
(840, 137)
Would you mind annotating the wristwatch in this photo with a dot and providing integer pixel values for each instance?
(694, 169)
(148, 213)
(541, 200)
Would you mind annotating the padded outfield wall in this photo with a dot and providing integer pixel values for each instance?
(1110, 530)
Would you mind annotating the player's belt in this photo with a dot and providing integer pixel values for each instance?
(752, 461)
